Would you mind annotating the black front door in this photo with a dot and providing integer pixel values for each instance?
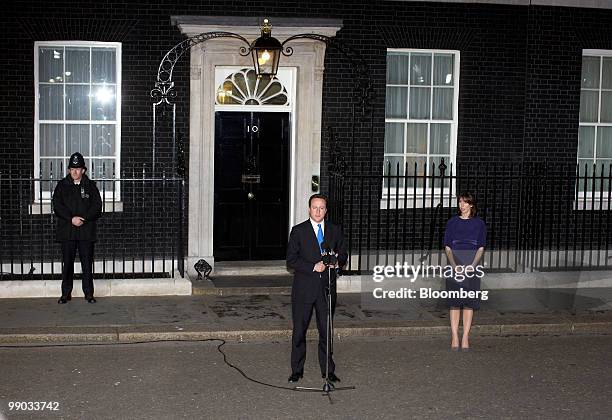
(251, 212)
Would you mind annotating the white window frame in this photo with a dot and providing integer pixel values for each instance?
(591, 201)
(392, 191)
(46, 195)
(285, 76)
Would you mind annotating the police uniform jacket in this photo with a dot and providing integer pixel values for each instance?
(71, 200)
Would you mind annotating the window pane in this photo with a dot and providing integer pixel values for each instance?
(419, 102)
(77, 102)
(416, 138)
(394, 167)
(397, 69)
(77, 65)
(103, 140)
(419, 170)
(606, 169)
(394, 138)
(606, 73)
(585, 166)
(589, 104)
(590, 72)
(602, 167)
(50, 102)
(396, 102)
(606, 106)
(443, 69)
(420, 65)
(51, 140)
(442, 104)
(77, 139)
(439, 143)
(604, 142)
(103, 168)
(586, 141)
(50, 64)
(52, 168)
(103, 103)
(103, 65)
(391, 165)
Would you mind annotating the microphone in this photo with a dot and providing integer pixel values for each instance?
(324, 247)
(329, 258)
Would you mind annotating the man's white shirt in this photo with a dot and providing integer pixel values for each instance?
(315, 227)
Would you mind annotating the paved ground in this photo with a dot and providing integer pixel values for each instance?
(562, 377)
(507, 312)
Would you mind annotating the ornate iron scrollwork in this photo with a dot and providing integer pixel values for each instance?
(337, 163)
(165, 94)
(363, 85)
(180, 156)
(164, 87)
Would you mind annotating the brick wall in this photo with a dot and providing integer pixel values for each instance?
(519, 71)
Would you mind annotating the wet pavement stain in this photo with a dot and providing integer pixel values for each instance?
(266, 315)
(345, 314)
(223, 314)
(259, 298)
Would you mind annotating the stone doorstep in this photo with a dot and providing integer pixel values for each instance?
(346, 284)
(103, 288)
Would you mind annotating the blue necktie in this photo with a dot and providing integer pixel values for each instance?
(320, 237)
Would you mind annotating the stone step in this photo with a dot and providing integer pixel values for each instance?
(243, 285)
(250, 268)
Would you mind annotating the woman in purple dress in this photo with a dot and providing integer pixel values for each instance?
(464, 242)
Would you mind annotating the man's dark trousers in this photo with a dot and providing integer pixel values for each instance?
(302, 313)
(69, 249)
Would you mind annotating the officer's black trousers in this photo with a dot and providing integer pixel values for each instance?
(69, 249)
(301, 314)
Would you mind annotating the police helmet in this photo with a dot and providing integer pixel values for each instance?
(76, 161)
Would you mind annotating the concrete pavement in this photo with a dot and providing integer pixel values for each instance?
(265, 317)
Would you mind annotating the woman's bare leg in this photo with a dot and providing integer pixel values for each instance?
(468, 315)
(455, 315)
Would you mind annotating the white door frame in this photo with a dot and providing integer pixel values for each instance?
(307, 58)
(292, 73)
(290, 77)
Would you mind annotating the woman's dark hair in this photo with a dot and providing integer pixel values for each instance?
(469, 198)
(319, 196)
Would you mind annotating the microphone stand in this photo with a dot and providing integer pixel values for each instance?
(328, 386)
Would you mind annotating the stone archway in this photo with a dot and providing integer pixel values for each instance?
(307, 58)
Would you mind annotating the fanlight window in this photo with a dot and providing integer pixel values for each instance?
(245, 88)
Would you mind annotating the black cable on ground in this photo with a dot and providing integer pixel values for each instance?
(26, 346)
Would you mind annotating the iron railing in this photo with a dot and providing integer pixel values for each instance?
(538, 217)
(140, 234)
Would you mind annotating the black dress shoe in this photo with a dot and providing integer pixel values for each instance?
(90, 299)
(332, 377)
(296, 377)
(63, 299)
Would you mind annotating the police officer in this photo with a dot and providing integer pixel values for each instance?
(77, 205)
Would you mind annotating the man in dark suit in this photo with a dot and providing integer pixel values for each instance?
(304, 256)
